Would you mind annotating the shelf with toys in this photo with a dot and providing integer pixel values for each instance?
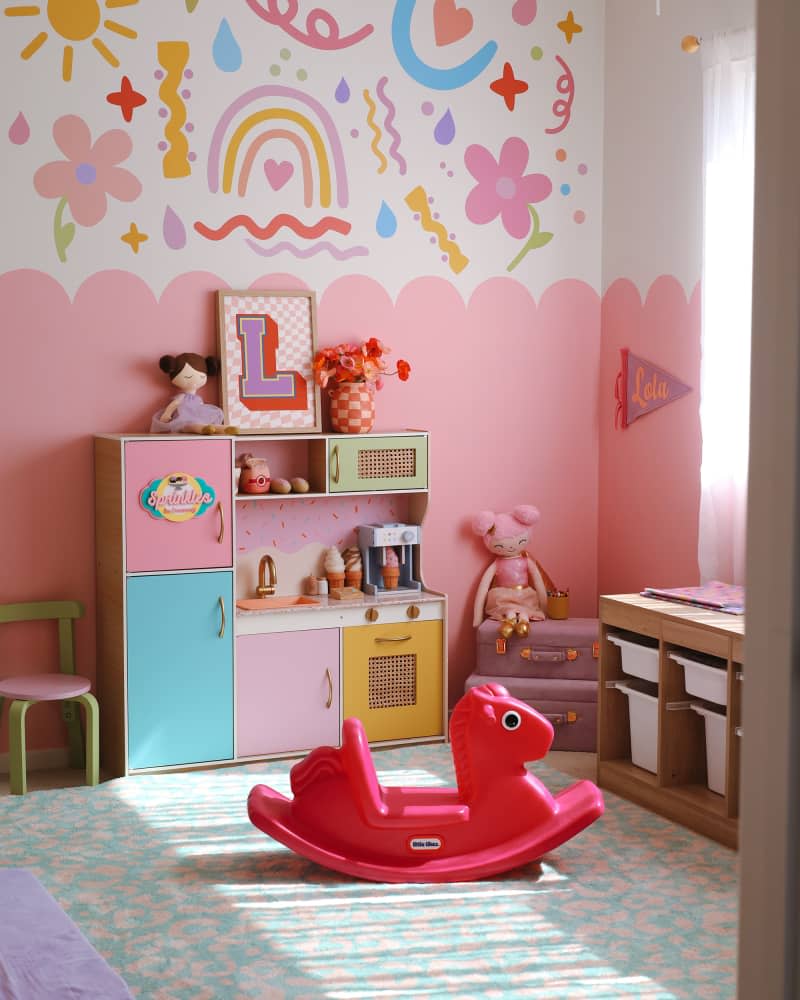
(319, 465)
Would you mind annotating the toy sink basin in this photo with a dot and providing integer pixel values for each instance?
(275, 601)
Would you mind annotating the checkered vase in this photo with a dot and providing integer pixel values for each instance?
(352, 408)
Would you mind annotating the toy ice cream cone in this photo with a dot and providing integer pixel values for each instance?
(391, 570)
(334, 567)
(353, 570)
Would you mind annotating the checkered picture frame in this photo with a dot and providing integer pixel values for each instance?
(295, 406)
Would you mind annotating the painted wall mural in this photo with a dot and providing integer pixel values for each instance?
(427, 137)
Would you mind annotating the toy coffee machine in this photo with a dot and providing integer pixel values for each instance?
(389, 553)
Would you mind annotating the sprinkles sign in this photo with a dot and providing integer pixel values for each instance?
(178, 496)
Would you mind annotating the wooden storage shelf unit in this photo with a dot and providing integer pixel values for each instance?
(679, 787)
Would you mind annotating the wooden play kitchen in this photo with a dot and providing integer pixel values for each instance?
(187, 677)
(669, 710)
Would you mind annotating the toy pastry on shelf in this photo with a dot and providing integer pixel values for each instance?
(186, 413)
(511, 590)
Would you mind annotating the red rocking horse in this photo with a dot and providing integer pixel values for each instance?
(500, 815)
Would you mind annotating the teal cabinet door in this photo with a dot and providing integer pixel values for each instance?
(180, 669)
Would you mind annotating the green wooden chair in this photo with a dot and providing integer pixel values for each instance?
(66, 686)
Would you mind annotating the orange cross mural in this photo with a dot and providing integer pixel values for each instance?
(127, 98)
(508, 86)
(570, 27)
(133, 238)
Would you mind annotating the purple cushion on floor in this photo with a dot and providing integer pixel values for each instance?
(43, 954)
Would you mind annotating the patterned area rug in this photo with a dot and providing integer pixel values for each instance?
(187, 901)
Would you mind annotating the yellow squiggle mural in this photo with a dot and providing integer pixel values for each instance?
(384, 163)
(174, 56)
(417, 201)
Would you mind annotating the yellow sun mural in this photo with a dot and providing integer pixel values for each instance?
(75, 21)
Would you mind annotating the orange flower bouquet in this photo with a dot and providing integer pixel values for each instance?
(351, 374)
(354, 363)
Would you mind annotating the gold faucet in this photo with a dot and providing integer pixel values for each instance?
(265, 589)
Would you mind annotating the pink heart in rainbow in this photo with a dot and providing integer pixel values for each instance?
(278, 173)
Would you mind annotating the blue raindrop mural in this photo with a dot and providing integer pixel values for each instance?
(386, 223)
(225, 50)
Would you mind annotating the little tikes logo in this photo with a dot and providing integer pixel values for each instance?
(426, 843)
(178, 496)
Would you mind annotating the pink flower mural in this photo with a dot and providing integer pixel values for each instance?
(87, 177)
(503, 189)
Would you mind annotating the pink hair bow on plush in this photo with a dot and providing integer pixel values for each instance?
(505, 524)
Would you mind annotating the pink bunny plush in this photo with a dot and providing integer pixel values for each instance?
(511, 590)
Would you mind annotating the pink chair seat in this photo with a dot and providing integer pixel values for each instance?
(43, 687)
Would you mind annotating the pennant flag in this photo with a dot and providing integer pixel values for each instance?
(642, 387)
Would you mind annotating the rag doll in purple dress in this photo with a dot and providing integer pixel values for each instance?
(186, 413)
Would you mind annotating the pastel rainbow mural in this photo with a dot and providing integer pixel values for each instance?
(274, 112)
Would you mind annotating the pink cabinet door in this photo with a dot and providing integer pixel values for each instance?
(164, 535)
(287, 692)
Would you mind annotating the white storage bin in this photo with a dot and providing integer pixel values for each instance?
(716, 724)
(638, 660)
(643, 711)
(702, 679)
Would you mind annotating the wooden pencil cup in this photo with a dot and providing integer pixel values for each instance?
(558, 605)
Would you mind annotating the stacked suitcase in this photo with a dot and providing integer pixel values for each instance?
(553, 668)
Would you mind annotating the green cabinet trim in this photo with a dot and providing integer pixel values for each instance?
(392, 463)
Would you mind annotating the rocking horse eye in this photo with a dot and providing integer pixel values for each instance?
(511, 720)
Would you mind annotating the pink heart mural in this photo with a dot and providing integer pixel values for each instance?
(450, 23)
(278, 173)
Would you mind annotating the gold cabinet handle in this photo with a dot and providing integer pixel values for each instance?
(221, 632)
(335, 457)
(392, 638)
(221, 512)
(329, 679)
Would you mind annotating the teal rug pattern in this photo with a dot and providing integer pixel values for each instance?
(184, 898)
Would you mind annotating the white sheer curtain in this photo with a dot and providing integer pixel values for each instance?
(728, 148)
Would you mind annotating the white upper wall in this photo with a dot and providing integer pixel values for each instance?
(652, 198)
(261, 145)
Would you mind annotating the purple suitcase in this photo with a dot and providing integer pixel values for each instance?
(553, 668)
(571, 706)
(563, 649)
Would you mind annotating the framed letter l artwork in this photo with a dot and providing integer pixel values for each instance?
(267, 342)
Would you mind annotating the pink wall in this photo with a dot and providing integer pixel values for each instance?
(506, 386)
(650, 471)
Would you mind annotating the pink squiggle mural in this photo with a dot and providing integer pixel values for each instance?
(328, 40)
(380, 90)
(562, 107)
(322, 247)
